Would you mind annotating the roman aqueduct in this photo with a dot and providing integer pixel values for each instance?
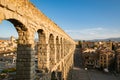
(55, 48)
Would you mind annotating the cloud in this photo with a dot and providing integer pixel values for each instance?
(93, 33)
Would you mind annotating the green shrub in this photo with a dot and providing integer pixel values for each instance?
(9, 70)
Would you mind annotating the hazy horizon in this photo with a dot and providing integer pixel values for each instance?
(73, 39)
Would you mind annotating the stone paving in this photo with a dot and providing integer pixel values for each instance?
(81, 74)
(99, 75)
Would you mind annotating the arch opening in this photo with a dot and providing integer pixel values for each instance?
(9, 40)
(41, 51)
(57, 49)
(61, 44)
(52, 50)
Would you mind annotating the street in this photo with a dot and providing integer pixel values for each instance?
(81, 74)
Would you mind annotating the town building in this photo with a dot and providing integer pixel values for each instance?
(98, 55)
(118, 60)
(90, 58)
(106, 58)
(8, 45)
(87, 44)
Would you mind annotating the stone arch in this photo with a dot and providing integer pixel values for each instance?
(64, 47)
(25, 52)
(41, 35)
(26, 24)
(18, 26)
(53, 76)
(8, 29)
(57, 49)
(42, 50)
(52, 50)
(21, 30)
(61, 44)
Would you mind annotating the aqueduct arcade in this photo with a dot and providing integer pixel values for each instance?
(55, 48)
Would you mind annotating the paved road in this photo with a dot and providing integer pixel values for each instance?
(99, 75)
(79, 74)
(77, 58)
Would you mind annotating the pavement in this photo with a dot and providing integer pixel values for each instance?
(100, 75)
(79, 74)
(82, 74)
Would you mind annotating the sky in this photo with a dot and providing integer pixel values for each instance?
(80, 19)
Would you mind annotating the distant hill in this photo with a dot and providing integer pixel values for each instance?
(1, 38)
(112, 39)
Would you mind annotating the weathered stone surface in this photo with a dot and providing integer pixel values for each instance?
(1, 16)
(3, 3)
